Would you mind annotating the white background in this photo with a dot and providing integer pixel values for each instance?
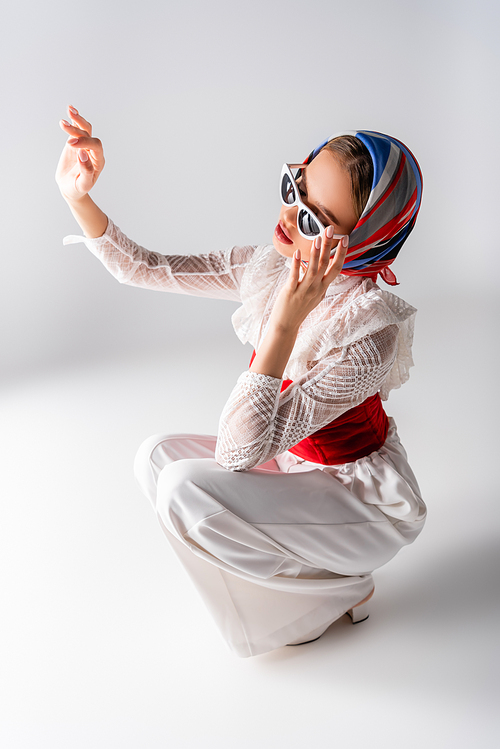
(104, 642)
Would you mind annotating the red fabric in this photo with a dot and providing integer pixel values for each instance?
(353, 435)
(384, 272)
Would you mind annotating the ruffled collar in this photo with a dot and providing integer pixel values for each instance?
(363, 313)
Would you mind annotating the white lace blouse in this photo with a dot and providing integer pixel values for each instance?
(355, 343)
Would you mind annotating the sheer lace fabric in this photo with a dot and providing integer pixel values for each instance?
(355, 343)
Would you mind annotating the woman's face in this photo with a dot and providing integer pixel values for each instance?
(325, 187)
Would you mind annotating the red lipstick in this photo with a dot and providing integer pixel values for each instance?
(281, 235)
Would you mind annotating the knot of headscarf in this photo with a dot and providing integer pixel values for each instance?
(391, 210)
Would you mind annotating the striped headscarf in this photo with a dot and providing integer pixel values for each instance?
(391, 210)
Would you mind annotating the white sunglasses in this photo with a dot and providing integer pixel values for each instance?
(308, 223)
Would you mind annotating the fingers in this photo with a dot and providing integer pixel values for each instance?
(84, 160)
(80, 138)
(76, 117)
(80, 132)
(319, 256)
(337, 261)
(91, 144)
(294, 276)
(72, 129)
(314, 258)
(328, 241)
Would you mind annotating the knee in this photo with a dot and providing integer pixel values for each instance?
(176, 476)
(148, 463)
(183, 494)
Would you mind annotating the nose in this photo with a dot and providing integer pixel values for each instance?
(290, 215)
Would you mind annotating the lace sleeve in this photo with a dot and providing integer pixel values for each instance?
(258, 422)
(216, 274)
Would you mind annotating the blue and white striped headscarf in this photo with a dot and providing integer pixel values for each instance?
(391, 210)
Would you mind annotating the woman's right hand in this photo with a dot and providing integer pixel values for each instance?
(82, 159)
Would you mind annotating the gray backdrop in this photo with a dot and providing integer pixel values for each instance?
(198, 105)
(103, 641)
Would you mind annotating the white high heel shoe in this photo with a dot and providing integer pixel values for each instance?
(359, 613)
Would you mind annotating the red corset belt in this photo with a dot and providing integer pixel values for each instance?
(353, 435)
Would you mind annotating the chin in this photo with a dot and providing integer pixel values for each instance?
(286, 250)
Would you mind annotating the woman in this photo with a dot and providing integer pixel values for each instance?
(281, 519)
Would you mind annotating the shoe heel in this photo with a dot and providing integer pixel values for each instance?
(359, 613)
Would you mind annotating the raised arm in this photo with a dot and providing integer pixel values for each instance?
(79, 167)
(215, 274)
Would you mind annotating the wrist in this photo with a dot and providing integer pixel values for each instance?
(89, 216)
(284, 329)
(274, 351)
(75, 200)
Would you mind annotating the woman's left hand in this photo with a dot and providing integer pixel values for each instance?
(298, 298)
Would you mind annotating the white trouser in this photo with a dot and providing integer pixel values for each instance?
(281, 551)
